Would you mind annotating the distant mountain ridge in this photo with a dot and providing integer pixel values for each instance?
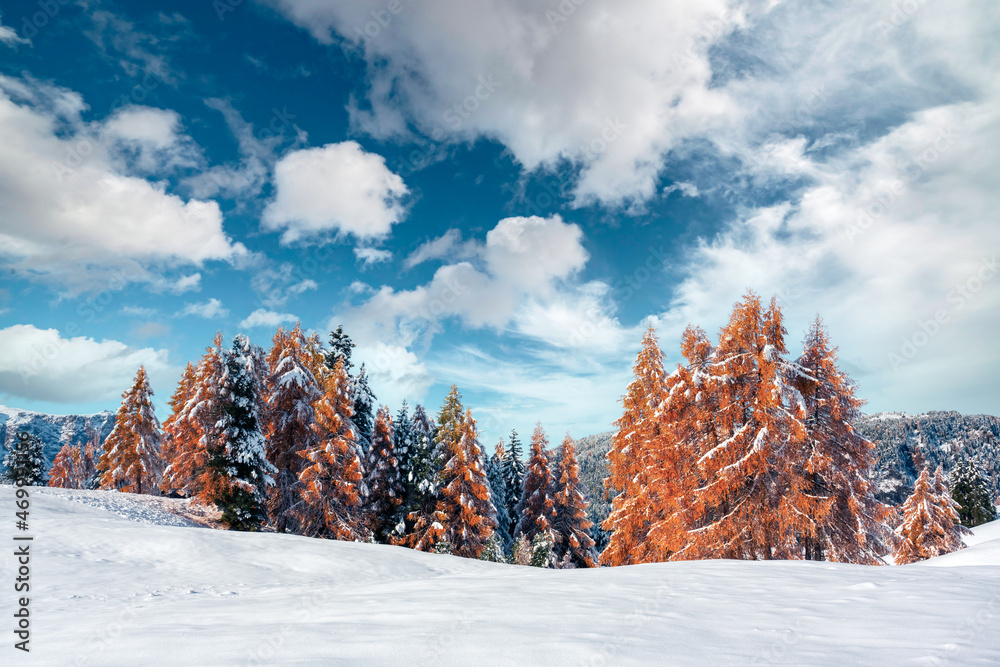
(938, 437)
(53, 430)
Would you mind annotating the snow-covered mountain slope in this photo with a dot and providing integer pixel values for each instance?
(937, 437)
(54, 430)
(110, 591)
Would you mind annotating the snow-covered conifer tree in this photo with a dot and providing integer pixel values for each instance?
(63, 473)
(839, 461)
(238, 457)
(385, 484)
(420, 527)
(629, 463)
(191, 426)
(570, 525)
(341, 346)
(536, 509)
(970, 489)
(131, 460)
(498, 490)
(331, 498)
(364, 411)
(292, 389)
(756, 499)
(24, 464)
(922, 533)
(465, 508)
(513, 475)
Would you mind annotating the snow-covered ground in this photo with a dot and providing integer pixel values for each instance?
(107, 590)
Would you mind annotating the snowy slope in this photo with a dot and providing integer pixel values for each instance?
(111, 591)
(54, 430)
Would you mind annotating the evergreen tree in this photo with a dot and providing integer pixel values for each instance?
(970, 489)
(385, 485)
(541, 549)
(340, 348)
(190, 429)
(403, 443)
(536, 509)
(493, 550)
(420, 527)
(513, 475)
(498, 490)
(239, 457)
(465, 508)
(131, 460)
(570, 525)
(629, 459)
(364, 411)
(840, 462)
(330, 483)
(24, 464)
(925, 531)
(522, 551)
(292, 389)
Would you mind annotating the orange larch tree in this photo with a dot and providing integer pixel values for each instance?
(330, 502)
(928, 527)
(629, 459)
(465, 507)
(570, 525)
(686, 420)
(755, 501)
(131, 460)
(197, 408)
(292, 390)
(536, 510)
(65, 466)
(840, 461)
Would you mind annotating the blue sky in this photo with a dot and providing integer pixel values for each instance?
(497, 194)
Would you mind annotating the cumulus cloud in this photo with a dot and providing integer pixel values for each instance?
(266, 318)
(568, 81)
(894, 244)
(338, 189)
(73, 212)
(210, 310)
(371, 256)
(42, 365)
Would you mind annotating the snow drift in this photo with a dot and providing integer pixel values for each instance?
(107, 590)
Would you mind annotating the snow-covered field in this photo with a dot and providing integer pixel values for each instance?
(107, 590)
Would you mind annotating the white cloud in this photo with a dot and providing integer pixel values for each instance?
(304, 286)
(449, 246)
(885, 239)
(210, 310)
(395, 373)
(10, 37)
(610, 92)
(149, 141)
(42, 365)
(530, 253)
(266, 318)
(338, 189)
(191, 283)
(72, 214)
(686, 189)
(372, 255)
